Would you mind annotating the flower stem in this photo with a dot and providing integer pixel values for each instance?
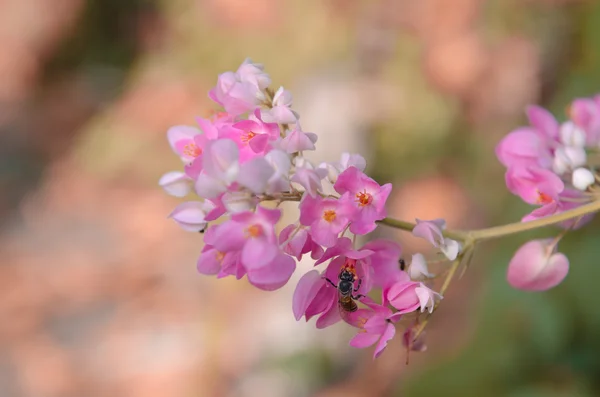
(504, 230)
(513, 228)
(409, 226)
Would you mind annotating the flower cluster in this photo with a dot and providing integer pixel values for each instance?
(243, 162)
(551, 165)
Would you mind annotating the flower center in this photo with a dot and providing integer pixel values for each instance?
(360, 323)
(247, 136)
(363, 198)
(543, 198)
(254, 231)
(192, 150)
(219, 256)
(329, 215)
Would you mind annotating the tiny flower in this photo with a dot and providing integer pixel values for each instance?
(325, 217)
(235, 95)
(533, 184)
(221, 168)
(190, 216)
(418, 268)
(255, 134)
(427, 297)
(432, 232)
(347, 160)
(368, 199)
(253, 73)
(567, 158)
(585, 113)
(583, 178)
(176, 183)
(307, 176)
(572, 135)
(252, 233)
(297, 140)
(403, 296)
(187, 142)
(281, 111)
(296, 241)
(536, 266)
(376, 326)
(281, 164)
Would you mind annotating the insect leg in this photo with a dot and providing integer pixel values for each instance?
(357, 297)
(358, 287)
(330, 282)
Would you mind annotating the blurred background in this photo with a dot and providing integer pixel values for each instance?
(99, 294)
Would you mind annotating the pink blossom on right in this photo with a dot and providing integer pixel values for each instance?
(536, 266)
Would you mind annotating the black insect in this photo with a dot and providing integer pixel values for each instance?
(402, 264)
(345, 287)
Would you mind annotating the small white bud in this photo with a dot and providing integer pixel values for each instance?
(418, 268)
(567, 158)
(582, 178)
(572, 135)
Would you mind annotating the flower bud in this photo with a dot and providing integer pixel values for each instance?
(572, 135)
(536, 266)
(582, 178)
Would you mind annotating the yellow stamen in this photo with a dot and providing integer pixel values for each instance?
(192, 150)
(329, 215)
(363, 198)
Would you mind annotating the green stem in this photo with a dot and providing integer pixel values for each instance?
(409, 226)
(513, 228)
(504, 230)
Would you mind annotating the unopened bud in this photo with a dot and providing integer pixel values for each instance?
(582, 178)
(572, 135)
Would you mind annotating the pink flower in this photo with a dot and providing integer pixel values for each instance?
(296, 241)
(308, 177)
(281, 112)
(297, 140)
(325, 217)
(176, 183)
(313, 296)
(536, 266)
(191, 215)
(560, 205)
(409, 296)
(585, 112)
(252, 233)
(347, 160)
(187, 142)
(368, 204)
(222, 169)
(281, 164)
(255, 134)
(432, 232)
(533, 184)
(384, 262)
(524, 147)
(376, 326)
(254, 74)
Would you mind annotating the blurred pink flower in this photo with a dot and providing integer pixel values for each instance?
(296, 241)
(533, 184)
(536, 266)
(281, 111)
(191, 215)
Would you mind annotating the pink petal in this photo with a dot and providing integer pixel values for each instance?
(534, 268)
(306, 291)
(363, 339)
(330, 317)
(258, 252)
(208, 262)
(255, 174)
(387, 335)
(175, 183)
(273, 276)
(258, 143)
(543, 121)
